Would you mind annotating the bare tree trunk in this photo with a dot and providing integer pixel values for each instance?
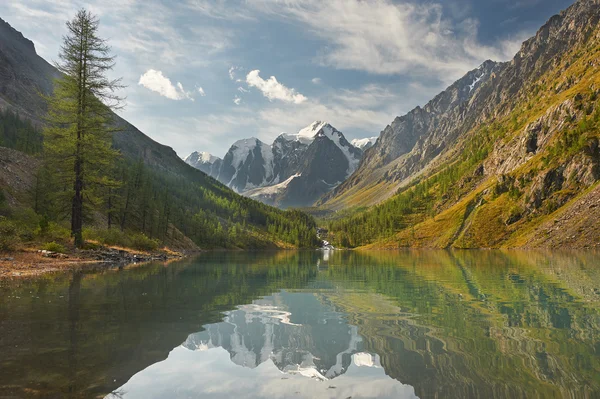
(77, 208)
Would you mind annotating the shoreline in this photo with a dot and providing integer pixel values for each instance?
(33, 263)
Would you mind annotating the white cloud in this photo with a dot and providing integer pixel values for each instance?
(237, 100)
(155, 80)
(232, 72)
(201, 91)
(385, 37)
(316, 81)
(243, 90)
(272, 89)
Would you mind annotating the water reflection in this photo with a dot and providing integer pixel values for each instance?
(425, 324)
(287, 344)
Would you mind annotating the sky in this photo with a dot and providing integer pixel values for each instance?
(202, 74)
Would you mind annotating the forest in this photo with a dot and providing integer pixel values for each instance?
(142, 208)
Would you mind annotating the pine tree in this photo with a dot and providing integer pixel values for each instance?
(77, 141)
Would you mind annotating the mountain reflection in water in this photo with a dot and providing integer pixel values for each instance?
(427, 324)
(263, 350)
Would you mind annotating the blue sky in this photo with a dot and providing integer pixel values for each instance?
(201, 74)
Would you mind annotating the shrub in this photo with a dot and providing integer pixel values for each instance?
(54, 232)
(27, 221)
(113, 237)
(54, 247)
(122, 239)
(9, 235)
(142, 242)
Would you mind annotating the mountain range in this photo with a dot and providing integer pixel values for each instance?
(294, 171)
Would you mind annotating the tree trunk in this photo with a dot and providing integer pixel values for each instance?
(77, 207)
(109, 207)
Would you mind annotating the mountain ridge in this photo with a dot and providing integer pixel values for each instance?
(520, 151)
(294, 171)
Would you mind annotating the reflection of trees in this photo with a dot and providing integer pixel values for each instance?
(476, 324)
(84, 335)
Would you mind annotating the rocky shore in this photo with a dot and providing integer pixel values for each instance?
(32, 262)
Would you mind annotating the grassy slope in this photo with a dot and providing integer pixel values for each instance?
(468, 211)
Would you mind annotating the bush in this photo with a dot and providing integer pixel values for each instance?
(54, 232)
(144, 243)
(9, 235)
(122, 239)
(54, 247)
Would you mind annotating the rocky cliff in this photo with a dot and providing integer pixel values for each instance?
(485, 166)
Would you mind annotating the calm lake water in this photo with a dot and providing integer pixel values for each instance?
(432, 324)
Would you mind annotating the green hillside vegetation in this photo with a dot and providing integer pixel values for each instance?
(463, 202)
(19, 133)
(157, 207)
(135, 193)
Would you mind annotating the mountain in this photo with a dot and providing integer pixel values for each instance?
(411, 141)
(364, 144)
(500, 158)
(294, 171)
(204, 161)
(161, 195)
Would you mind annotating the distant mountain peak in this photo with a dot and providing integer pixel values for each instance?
(293, 171)
(307, 134)
(364, 144)
(200, 157)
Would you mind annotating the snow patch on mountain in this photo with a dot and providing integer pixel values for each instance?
(274, 189)
(477, 80)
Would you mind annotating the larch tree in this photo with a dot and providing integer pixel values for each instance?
(78, 136)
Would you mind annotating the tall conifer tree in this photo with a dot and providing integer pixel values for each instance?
(77, 141)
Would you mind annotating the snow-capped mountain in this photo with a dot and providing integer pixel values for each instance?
(248, 164)
(204, 161)
(364, 144)
(295, 170)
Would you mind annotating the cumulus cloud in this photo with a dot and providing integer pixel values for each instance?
(201, 91)
(272, 89)
(316, 81)
(237, 100)
(155, 80)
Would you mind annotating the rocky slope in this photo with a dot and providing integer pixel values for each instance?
(295, 171)
(411, 141)
(488, 167)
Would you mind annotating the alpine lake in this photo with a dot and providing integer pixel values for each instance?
(309, 324)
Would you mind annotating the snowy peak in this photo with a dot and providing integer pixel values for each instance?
(294, 171)
(201, 158)
(308, 134)
(364, 144)
(204, 161)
